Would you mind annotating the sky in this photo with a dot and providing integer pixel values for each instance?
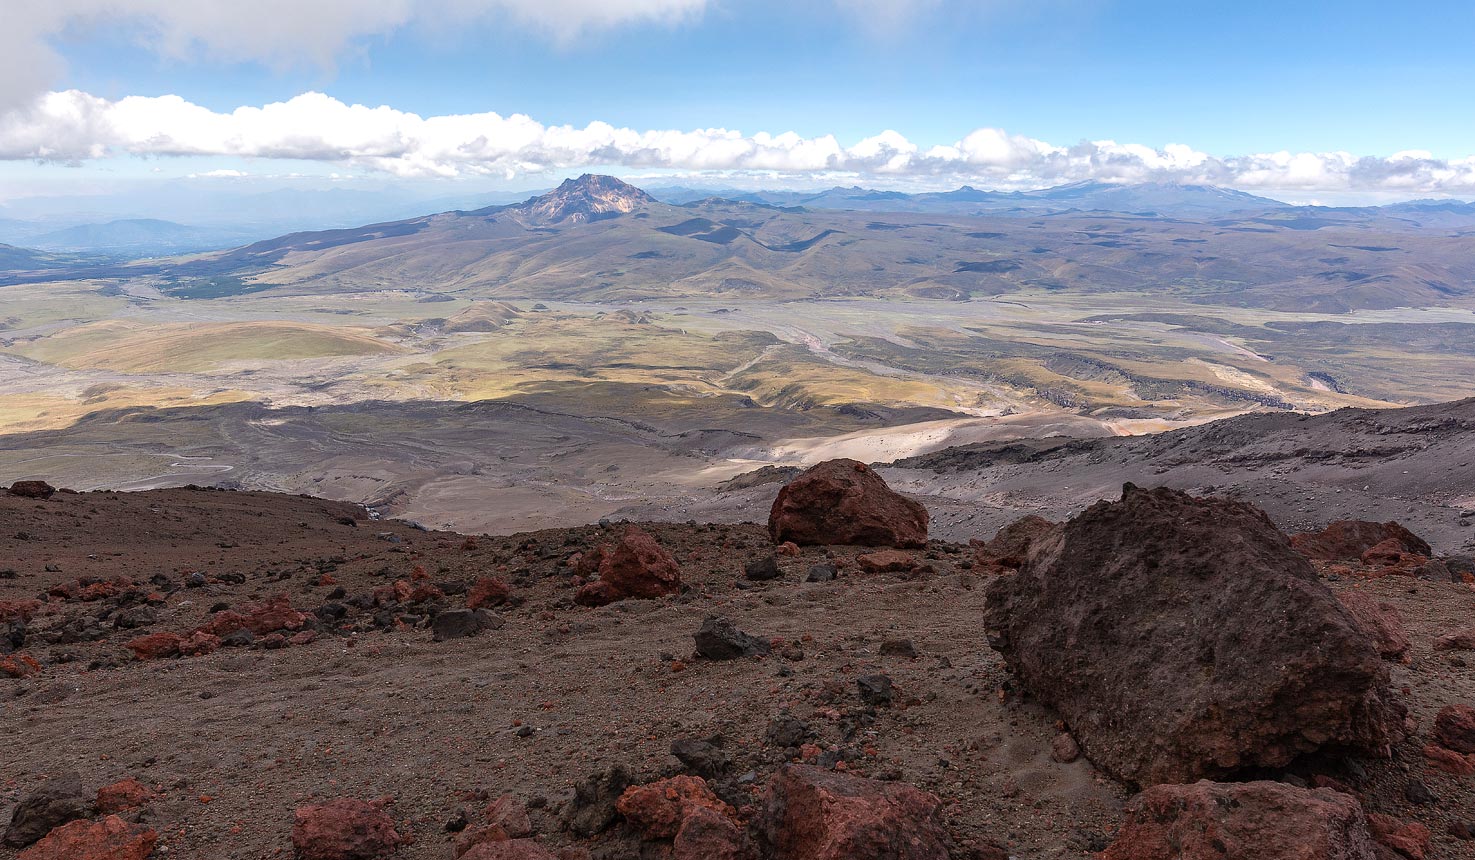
(1306, 101)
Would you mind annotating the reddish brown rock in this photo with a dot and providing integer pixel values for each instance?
(109, 839)
(596, 593)
(224, 623)
(638, 566)
(471, 837)
(706, 834)
(1459, 640)
(1449, 761)
(487, 591)
(845, 502)
(122, 795)
(11, 610)
(1381, 621)
(510, 814)
(32, 490)
(19, 665)
(199, 643)
(1454, 728)
(1008, 548)
(273, 614)
(155, 646)
(657, 810)
(1348, 540)
(344, 829)
(1263, 820)
(397, 592)
(814, 814)
(1409, 838)
(1064, 748)
(513, 849)
(1182, 637)
(887, 561)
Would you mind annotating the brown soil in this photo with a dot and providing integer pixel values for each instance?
(237, 739)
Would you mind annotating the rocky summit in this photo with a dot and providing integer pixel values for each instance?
(218, 674)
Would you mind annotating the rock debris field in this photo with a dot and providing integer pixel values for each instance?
(197, 673)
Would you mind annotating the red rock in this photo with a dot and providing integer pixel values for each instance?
(303, 637)
(638, 566)
(1454, 728)
(398, 592)
(273, 614)
(845, 502)
(344, 829)
(887, 561)
(788, 548)
(597, 593)
(657, 810)
(11, 610)
(513, 849)
(706, 834)
(1410, 839)
(1381, 621)
(1007, 550)
(814, 814)
(1449, 761)
(109, 839)
(474, 836)
(199, 643)
(122, 795)
(424, 592)
(587, 564)
(19, 665)
(155, 646)
(32, 490)
(1064, 748)
(1181, 638)
(1263, 820)
(1347, 540)
(487, 591)
(1460, 640)
(511, 814)
(224, 623)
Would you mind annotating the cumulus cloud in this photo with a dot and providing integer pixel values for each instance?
(73, 126)
(280, 32)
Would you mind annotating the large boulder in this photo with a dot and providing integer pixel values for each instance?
(659, 809)
(637, 566)
(845, 502)
(32, 490)
(1007, 550)
(344, 829)
(1348, 540)
(1381, 621)
(810, 813)
(55, 802)
(1182, 638)
(109, 839)
(1264, 820)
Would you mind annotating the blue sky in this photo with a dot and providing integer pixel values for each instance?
(1226, 80)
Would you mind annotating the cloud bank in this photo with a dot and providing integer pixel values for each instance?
(74, 127)
(280, 32)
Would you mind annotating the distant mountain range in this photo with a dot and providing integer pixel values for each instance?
(597, 238)
(1150, 198)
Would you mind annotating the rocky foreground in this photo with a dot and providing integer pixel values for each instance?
(207, 674)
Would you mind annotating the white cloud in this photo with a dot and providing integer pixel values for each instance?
(74, 126)
(280, 32)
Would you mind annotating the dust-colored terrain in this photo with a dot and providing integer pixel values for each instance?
(233, 741)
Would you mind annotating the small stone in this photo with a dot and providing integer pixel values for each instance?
(763, 570)
(718, 639)
(875, 689)
(898, 648)
(822, 572)
(461, 623)
(1064, 748)
(52, 804)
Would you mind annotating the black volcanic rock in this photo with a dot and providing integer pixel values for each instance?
(1183, 638)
